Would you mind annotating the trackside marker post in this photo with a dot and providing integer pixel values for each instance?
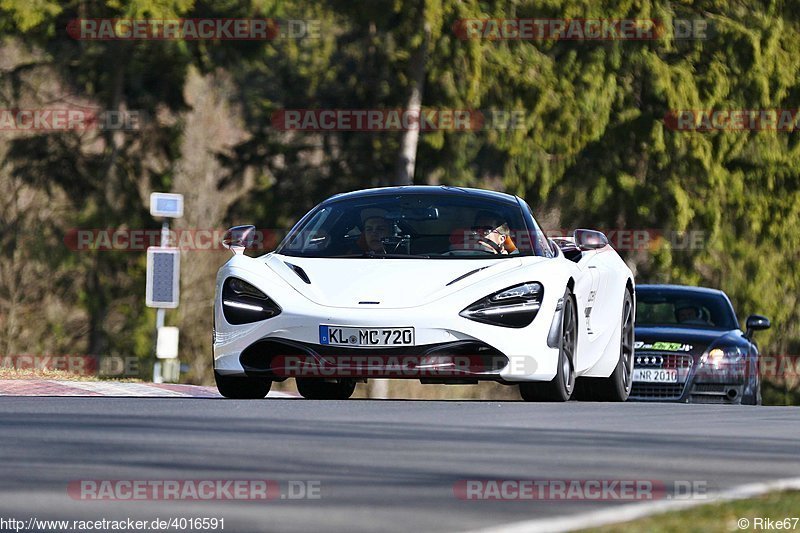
(163, 285)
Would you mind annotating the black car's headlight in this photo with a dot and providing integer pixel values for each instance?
(514, 307)
(242, 303)
(723, 358)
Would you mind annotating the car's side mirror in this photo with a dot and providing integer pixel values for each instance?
(589, 239)
(239, 238)
(755, 323)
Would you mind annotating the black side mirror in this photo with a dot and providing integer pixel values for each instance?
(238, 238)
(589, 239)
(755, 323)
(568, 248)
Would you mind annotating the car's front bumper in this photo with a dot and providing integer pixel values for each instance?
(277, 359)
(438, 329)
(696, 383)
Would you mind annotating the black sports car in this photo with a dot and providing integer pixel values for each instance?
(689, 347)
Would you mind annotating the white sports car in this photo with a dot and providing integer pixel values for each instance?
(440, 284)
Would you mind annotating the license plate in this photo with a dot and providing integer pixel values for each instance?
(655, 375)
(348, 336)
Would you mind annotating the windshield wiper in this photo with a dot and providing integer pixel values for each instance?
(376, 255)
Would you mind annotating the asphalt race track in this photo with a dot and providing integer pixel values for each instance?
(380, 465)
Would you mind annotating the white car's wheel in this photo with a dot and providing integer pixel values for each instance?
(616, 387)
(560, 388)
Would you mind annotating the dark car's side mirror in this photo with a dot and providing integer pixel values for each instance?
(755, 323)
(238, 238)
(568, 248)
(589, 239)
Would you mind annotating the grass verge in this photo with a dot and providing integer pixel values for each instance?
(739, 515)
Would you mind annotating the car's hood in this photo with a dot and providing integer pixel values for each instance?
(392, 283)
(678, 339)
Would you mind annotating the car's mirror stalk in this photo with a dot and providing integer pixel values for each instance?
(239, 238)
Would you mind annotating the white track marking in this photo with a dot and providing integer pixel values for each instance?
(124, 389)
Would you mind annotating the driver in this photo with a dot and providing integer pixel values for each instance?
(376, 227)
(690, 314)
(492, 232)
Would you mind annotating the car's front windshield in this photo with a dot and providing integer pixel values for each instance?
(684, 308)
(414, 226)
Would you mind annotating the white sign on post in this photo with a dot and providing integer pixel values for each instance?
(166, 204)
(167, 342)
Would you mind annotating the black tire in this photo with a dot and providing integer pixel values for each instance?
(242, 388)
(617, 386)
(754, 398)
(561, 387)
(319, 389)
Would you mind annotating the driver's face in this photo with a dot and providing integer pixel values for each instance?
(489, 229)
(687, 313)
(496, 236)
(375, 229)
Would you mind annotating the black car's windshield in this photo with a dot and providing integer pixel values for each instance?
(415, 226)
(684, 308)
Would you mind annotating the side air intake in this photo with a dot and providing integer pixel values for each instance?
(300, 272)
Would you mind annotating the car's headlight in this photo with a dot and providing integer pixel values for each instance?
(514, 307)
(722, 357)
(242, 303)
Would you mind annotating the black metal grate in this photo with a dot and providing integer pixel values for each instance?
(717, 388)
(664, 391)
(705, 398)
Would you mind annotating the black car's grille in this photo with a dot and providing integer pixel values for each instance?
(662, 360)
(664, 391)
(661, 391)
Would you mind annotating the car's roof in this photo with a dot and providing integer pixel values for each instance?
(682, 288)
(425, 189)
